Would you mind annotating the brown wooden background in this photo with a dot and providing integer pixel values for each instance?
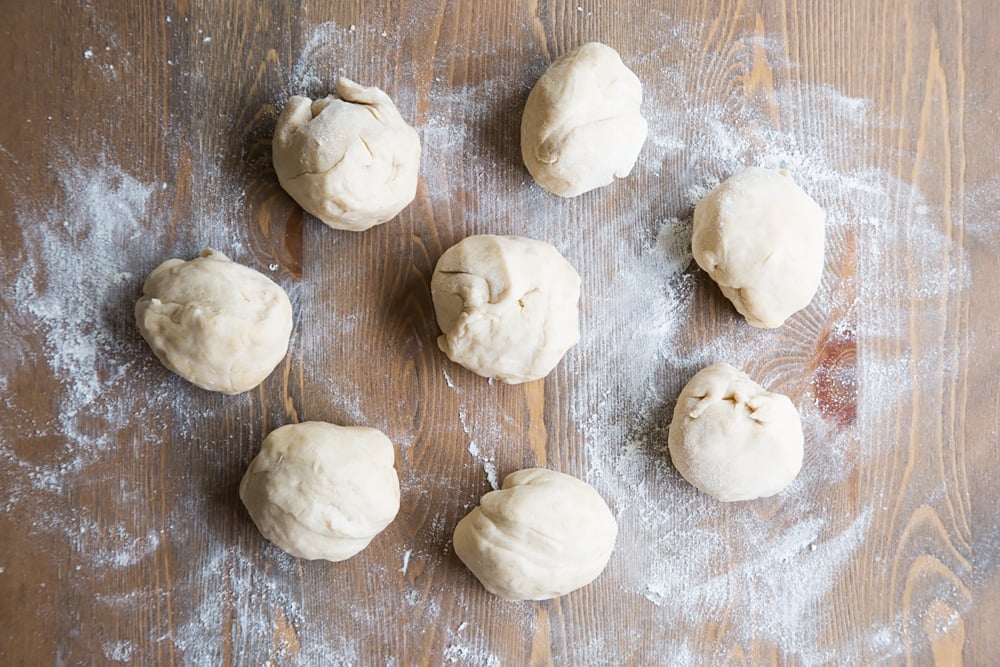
(185, 94)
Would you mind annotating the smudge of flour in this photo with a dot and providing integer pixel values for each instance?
(489, 467)
(119, 651)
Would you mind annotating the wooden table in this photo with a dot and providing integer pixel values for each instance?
(134, 132)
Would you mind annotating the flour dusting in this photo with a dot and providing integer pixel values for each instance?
(764, 571)
(692, 556)
(119, 651)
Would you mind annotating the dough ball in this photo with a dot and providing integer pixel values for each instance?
(760, 237)
(544, 534)
(732, 439)
(318, 490)
(508, 306)
(350, 160)
(581, 126)
(215, 323)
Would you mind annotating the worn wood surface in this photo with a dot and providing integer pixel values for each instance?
(125, 539)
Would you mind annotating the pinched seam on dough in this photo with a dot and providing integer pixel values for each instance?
(370, 107)
(340, 202)
(563, 136)
(750, 404)
(469, 310)
(500, 297)
(180, 308)
(319, 173)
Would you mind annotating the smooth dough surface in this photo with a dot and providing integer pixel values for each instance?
(508, 306)
(216, 323)
(582, 126)
(733, 439)
(318, 490)
(542, 535)
(349, 159)
(760, 237)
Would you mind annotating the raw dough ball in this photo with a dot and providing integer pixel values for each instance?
(542, 535)
(581, 126)
(318, 490)
(760, 237)
(732, 439)
(216, 323)
(350, 160)
(508, 306)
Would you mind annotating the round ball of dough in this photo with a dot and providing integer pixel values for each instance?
(318, 490)
(760, 237)
(350, 160)
(732, 439)
(581, 126)
(215, 323)
(544, 534)
(508, 306)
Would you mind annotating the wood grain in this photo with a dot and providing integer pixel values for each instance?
(127, 542)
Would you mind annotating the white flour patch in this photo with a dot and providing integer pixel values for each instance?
(69, 283)
(116, 545)
(69, 297)
(315, 70)
(463, 650)
(119, 651)
(226, 587)
(489, 467)
(66, 293)
(406, 561)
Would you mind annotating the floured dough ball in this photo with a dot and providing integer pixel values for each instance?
(760, 237)
(319, 490)
(350, 160)
(581, 126)
(732, 439)
(216, 323)
(508, 306)
(544, 534)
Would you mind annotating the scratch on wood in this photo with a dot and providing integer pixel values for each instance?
(286, 639)
(946, 631)
(541, 641)
(759, 83)
(538, 436)
(292, 254)
(928, 577)
(287, 401)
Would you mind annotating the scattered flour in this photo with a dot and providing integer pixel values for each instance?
(119, 651)
(460, 651)
(682, 557)
(683, 546)
(487, 461)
